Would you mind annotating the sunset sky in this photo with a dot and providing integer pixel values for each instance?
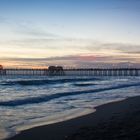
(73, 33)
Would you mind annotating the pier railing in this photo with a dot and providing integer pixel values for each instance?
(73, 72)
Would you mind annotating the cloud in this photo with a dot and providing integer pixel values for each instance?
(3, 19)
(35, 46)
(121, 47)
(114, 47)
(73, 61)
(32, 36)
(25, 29)
(82, 44)
(28, 29)
(57, 49)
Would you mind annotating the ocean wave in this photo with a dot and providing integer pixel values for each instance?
(45, 81)
(84, 84)
(45, 98)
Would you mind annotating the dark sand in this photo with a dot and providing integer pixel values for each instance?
(112, 121)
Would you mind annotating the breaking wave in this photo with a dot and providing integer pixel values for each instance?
(45, 98)
(46, 81)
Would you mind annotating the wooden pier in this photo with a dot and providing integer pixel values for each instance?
(72, 72)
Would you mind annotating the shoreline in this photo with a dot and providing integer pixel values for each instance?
(109, 113)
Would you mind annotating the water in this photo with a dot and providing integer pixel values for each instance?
(26, 102)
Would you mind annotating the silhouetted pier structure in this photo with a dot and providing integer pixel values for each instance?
(72, 72)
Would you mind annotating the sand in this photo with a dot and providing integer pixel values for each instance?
(113, 121)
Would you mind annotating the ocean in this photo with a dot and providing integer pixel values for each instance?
(29, 101)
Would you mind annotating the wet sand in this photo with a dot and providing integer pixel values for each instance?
(112, 121)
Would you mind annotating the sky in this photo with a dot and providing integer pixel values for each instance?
(72, 33)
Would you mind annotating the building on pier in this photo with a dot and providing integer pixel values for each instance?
(1, 67)
(2, 71)
(55, 70)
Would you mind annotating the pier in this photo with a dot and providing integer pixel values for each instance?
(72, 72)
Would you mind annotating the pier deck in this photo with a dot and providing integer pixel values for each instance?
(73, 72)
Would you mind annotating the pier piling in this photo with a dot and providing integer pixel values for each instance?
(72, 72)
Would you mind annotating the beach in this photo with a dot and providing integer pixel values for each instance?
(116, 120)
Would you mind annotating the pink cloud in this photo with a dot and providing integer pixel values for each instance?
(87, 57)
